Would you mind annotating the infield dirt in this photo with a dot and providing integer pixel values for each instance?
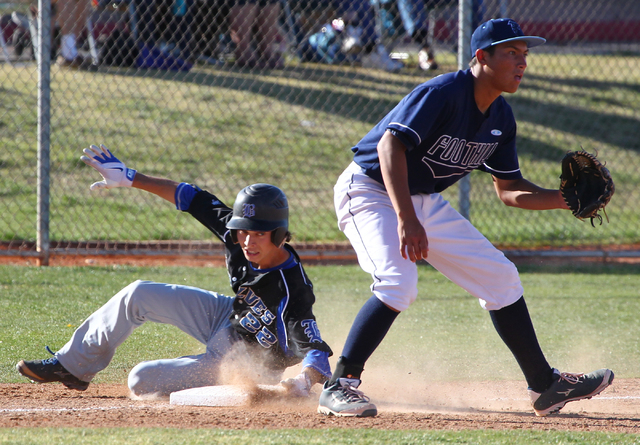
(448, 406)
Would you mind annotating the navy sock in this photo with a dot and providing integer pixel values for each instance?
(369, 328)
(514, 326)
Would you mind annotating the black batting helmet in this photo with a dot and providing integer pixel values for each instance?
(261, 208)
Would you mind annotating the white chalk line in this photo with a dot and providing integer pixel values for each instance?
(51, 410)
(111, 408)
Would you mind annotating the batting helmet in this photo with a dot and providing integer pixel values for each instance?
(261, 208)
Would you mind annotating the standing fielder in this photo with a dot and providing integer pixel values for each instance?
(389, 205)
(270, 317)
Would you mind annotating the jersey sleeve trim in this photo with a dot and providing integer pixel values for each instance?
(504, 172)
(184, 195)
(402, 127)
(318, 360)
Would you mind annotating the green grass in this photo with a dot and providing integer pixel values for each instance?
(585, 318)
(224, 128)
(448, 334)
(444, 335)
(134, 436)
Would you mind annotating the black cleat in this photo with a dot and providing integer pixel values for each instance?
(567, 387)
(50, 370)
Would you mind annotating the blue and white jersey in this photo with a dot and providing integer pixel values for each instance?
(446, 135)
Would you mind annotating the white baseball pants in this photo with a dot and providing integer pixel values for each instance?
(456, 248)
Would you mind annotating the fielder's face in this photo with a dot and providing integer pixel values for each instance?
(507, 65)
(259, 250)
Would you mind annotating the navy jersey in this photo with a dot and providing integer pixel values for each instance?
(446, 135)
(272, 309)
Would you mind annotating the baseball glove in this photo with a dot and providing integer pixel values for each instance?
(586, 185)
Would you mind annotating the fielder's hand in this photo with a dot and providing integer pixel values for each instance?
(298, 386)
(113, 171)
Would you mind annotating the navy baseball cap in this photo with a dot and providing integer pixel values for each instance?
(498, 31)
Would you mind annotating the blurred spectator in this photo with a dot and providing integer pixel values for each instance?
(21, 37)
(164, 34)
(354, 33)
(383, 20)
(174, 22)
(418, 20)
(72, 19)
(211, 29)
(312, 13)
(112, 28)
(365, 29)
(254, 27)
(327, 45)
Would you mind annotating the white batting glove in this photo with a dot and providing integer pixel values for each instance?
(298, 386)
(113, 171)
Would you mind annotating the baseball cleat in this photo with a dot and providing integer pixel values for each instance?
(50, 370)
(342, 399)
(568, 387)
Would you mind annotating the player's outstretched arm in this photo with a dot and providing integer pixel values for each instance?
(526, 195)
(116, 174)
(164, 188)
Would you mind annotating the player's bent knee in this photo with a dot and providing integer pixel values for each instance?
(140, 294)
(139, 287)
(397, 299)
(131, 290)
(158, 378)
(141, 381)
(164, 376)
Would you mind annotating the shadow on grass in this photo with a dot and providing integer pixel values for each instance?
(606, 128)
(587, 83)
(380, 92)
(594, 123)
(373, 93)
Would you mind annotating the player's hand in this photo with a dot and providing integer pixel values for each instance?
(113, 171)
(413, 240)
(298, 386)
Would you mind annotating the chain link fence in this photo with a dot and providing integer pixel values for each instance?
(225, 93)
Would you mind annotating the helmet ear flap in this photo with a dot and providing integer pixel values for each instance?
(279, 235)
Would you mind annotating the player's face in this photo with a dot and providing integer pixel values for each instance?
(259, 250)
(507, 65)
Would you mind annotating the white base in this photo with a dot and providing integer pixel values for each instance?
(224, 395)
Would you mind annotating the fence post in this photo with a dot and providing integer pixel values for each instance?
(44, 129)
(464, 48)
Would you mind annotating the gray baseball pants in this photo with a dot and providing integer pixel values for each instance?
(202, 314)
